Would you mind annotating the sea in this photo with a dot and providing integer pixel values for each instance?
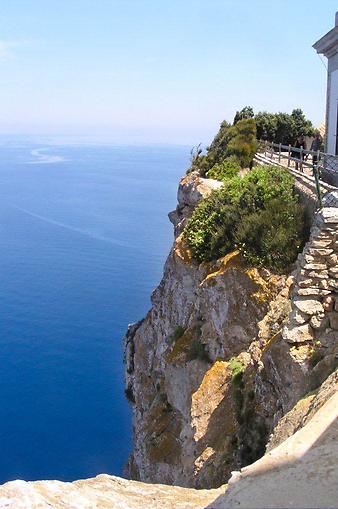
(84, 234)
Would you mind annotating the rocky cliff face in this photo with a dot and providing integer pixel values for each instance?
(225, 351)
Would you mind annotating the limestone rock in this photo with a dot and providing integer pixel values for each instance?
(303, 411)
(200, 314)
(298, 334)
(298, 317)
(333, 260)
(294, 474)
(309, 306)
(192, 189)
(102, 492)
(315, 266)
(330, 215)
(319, 321)
(215, 325)
(313, 291)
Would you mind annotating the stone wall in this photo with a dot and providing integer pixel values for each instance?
(314, 299)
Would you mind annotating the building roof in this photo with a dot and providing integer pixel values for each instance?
(328, 44)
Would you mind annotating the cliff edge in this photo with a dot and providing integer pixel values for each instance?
(226, 351)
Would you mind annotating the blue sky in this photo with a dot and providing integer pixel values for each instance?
(166, 71)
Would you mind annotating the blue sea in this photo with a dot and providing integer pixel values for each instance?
(84, 234)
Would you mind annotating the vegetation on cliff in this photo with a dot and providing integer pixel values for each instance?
(240, 138)
(225, 170)
(283, 127)
(279, 127)
(258, 214)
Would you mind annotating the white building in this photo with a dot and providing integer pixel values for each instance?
(328, 46)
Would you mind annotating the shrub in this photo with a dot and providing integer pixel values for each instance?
(225, 170)
(209, 230)
(258, 214)
(237, 369)
(272, 237)
(267, 183)
(216, 152)
(243, 142)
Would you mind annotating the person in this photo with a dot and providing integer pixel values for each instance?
(315, 146)
(300, 143)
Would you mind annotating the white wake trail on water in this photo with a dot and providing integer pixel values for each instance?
(45, 158)
(75, 229)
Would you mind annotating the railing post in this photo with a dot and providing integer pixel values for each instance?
(289, 156)
(280, 149)
(318, 157)
(301, 159)
(272, 151)
(316, 176)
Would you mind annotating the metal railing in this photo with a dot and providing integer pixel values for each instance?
(323, 166)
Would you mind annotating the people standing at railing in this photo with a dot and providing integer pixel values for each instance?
(298, 155)
(315, 146)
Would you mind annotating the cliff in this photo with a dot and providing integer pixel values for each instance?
(225, 352)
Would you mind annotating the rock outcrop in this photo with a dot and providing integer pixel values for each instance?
(102, 492)
(225, 352)
(191, 190)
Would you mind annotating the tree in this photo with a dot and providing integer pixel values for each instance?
(285, 131)
(266, 124)
(302, 126)
(283, 127)
(246, 112)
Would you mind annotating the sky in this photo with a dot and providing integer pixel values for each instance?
(156, 71)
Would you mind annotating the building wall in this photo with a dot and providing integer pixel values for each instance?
(332, 111)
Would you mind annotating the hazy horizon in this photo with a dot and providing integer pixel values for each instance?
(136, 72)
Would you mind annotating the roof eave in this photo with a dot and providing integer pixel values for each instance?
(328, 44)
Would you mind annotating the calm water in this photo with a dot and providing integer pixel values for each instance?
(84, 234)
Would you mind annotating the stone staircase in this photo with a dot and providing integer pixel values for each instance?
(314, 315)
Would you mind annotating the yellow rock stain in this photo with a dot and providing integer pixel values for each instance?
(228, 261)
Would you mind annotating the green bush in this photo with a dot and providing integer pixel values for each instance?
(272, 237)
(243, 141)
(267, 183)
(239, 139)
(237, 369)
(258, 214)
(216, 152)
(225, 170)
(209, 230)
